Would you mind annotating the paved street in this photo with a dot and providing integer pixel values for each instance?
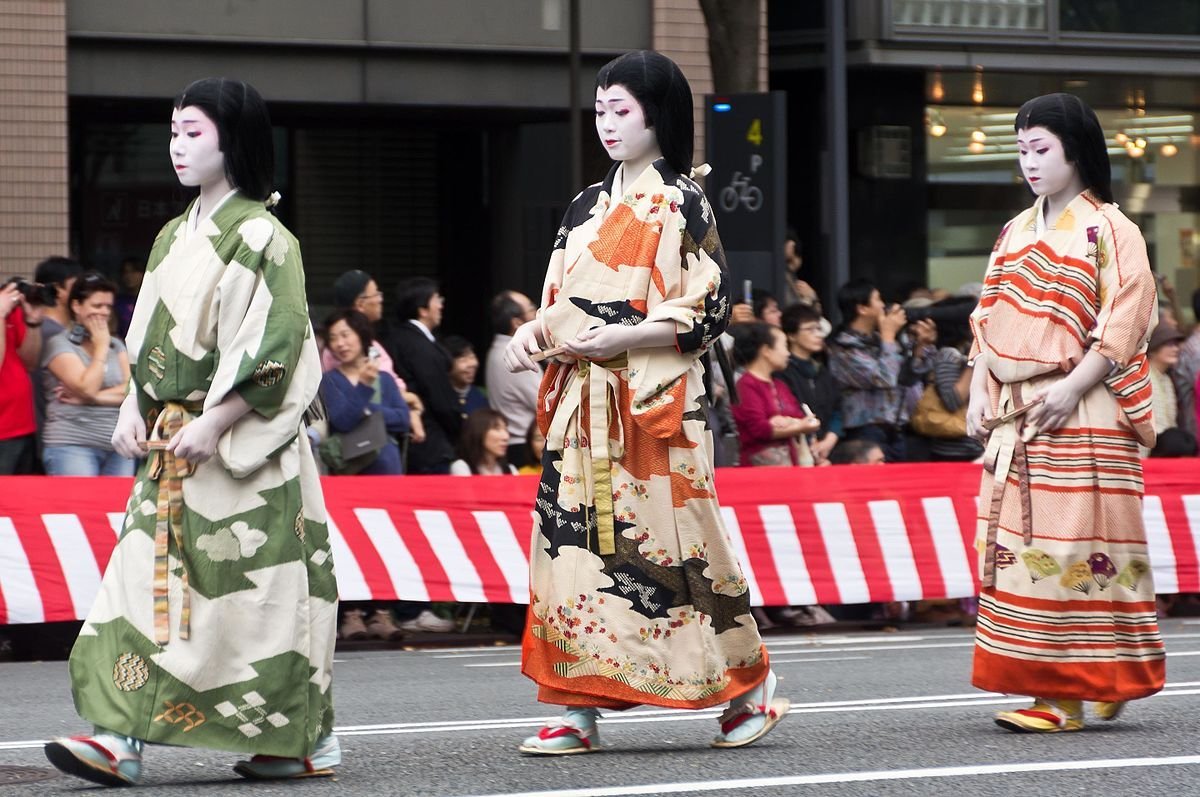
(874, 713)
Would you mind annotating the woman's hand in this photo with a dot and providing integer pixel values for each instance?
(524, 342)
(129, 436)
(979, 409)
(1058, 402)
(65, 396)
(369, 372)
(97, 327)
(809, 425)
(416, 430)
(602, 343)
(197, 441)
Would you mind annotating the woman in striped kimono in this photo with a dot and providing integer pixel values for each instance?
(637, 596)
(214, 625)
(1061, 394)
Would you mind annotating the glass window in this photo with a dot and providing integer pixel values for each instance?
(975, 186)
(1167, 17)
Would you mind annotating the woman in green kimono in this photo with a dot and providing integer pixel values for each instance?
(214, 626)
(637, 597)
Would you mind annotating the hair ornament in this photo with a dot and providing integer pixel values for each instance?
(700, 171)
(273, 200)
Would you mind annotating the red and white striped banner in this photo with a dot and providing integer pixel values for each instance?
(804, 535)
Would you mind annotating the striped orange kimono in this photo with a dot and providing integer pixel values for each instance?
(1066, 608)
(636, 594)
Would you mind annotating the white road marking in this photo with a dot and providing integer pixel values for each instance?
(860, 777)
(823, 658)
(640, 716)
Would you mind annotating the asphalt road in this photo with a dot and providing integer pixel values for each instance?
(874, 713)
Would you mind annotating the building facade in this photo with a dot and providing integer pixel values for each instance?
(932, 90)
(411, 137)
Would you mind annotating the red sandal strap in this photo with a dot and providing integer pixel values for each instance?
(560, 731)
(92, 743)
(748, 711)
(1048, 716)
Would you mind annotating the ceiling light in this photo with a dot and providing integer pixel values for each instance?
(1140, 143)
(1135, 152)
(1169, 150)
(978, 136)
(1120, 137)
(976, 147)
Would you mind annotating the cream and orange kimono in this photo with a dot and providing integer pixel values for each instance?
(637, 595)
(1066, 608)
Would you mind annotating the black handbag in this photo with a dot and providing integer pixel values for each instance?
(347, 453)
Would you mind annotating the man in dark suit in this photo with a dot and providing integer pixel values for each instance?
(425, 366)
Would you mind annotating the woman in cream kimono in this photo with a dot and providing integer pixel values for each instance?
(214, 626)
(1061, 393)
(637, 597)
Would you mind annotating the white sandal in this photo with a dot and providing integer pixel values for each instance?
(741, 724)
(574, 733)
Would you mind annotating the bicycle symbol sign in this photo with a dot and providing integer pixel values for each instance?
(740, 192)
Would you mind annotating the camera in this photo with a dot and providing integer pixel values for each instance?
(34, 292)
(948, 311)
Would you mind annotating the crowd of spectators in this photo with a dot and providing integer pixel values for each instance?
(889, 383)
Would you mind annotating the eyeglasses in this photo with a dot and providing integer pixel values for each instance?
(368, 297)
(810, 328)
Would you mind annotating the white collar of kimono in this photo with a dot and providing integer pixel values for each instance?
(1074, 207)
(196, 224)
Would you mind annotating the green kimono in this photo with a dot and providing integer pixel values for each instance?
(215, 623)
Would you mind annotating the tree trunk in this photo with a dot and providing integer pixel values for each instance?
(733, 44)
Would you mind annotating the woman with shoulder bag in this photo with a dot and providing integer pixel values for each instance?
(772, 426)
(357, 388)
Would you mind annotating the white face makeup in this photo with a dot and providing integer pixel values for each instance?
(621, 125)
(1044, 161)
(195, 147)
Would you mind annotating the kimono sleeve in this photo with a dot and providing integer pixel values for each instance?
(148, 297)
(267, 352)
(699, 305)
(1128, 312)
(990, 292)
(1128, 294)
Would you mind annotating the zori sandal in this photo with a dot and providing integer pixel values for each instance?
(574, 733)
(1109, 711)
(746, 723)
(104, 758)
(1044, 716)
(320, 764)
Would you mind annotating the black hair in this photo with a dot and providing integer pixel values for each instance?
(1076, 125)
(852, 452)
(56, 270)
(88, 283)
(797, 315)
(475, 429)
(748, 340)
(243, 131)
(357, 322)
(534, 429)
(855, 292)
(1196, 304)
(414, 294)
(759, 299)
(1174, 442)
(456, 346)
(504, 309)
(658, 85)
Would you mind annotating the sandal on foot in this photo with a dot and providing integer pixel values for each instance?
(1109, 711)
(746, 723)
(1044, 716)
(326, 756)
(574, 733)
(104, 758)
